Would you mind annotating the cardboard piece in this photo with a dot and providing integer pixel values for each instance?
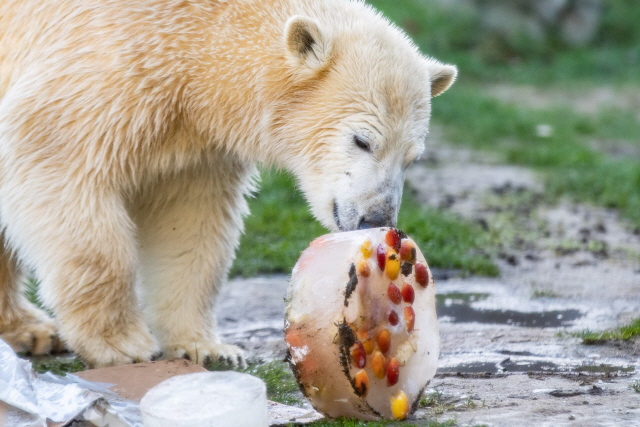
(133, 381)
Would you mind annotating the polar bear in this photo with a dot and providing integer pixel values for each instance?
(129, 138)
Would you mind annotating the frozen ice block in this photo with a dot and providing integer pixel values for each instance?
(206, 399)
(361, 326)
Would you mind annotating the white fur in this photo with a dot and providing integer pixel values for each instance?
(129, 135)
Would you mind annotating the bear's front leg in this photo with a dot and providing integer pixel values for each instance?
(80, 240)
(190, 224)
(22, 325)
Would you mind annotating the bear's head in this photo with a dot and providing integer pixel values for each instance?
(357, 114)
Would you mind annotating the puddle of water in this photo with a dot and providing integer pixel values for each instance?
(530, 366)
(457, 307)
(459, 298)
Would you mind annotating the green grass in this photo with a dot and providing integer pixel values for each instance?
(566, 158)
(620, 334)
(280, 227)
(455, 34)
(281, 384)
(58, 365)
(445, 240)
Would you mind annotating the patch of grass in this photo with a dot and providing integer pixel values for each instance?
(436, 403)
(59, 365)
(446, 240)
(281, 384)
(635, 386)
(539, 293)
(280, 227)
(571, 167)
(454, 33)
(620, 334)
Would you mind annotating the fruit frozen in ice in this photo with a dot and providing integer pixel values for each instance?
(363, 268)
(393, 371)
(359, 355)
(366, 248)
(400, 406)
(394, 293)
(379, 364)
(381, 255)
(393, 318)
(361, 383)
(392, 238)
(358, 343)
(408, 294)
(384, 340)
(392, 265)
(422, 275)
(408, 251)
(409, 318)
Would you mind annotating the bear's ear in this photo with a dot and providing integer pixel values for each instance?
(441, 76)
(307, 45)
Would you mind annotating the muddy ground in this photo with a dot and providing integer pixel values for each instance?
(509, 356)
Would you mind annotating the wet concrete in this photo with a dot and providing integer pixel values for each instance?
(528, 365)
(492, 371)
(457, 308)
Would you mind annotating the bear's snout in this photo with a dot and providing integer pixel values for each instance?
(377, 219)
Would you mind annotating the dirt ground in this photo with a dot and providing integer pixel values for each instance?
(508, 353)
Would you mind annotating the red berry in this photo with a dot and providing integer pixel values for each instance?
(394, 294)
(393, 239)
(408, 294)
(409, 318)
(393, 318)
(358, 355)
(422, 275)
(382, 256)
(393, 371)
(408, 251)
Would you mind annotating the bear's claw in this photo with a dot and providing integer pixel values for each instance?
(205, 354)
(35, 338)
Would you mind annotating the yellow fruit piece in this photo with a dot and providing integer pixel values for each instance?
(363, 268)
(400, 406)
(379, 365)
(366, 248)
(392, 266)
(368, 345)
(384, 340)
(362, 383)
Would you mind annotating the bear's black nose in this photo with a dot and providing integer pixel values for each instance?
(375, 219)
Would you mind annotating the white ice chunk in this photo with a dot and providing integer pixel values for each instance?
(328, 310)
(207, 399)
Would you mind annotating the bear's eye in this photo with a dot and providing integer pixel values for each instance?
(361, 143)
